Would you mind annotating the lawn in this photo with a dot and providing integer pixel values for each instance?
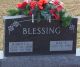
(72, 6)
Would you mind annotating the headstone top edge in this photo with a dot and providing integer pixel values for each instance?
(13, 17)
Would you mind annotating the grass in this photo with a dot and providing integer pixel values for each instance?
(72, 6)
(78, 35)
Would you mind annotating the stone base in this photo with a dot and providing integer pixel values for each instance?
(66, 60)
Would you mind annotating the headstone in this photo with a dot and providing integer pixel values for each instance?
(61, 60)
(22, 37)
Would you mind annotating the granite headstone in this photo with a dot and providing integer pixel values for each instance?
(22, 37)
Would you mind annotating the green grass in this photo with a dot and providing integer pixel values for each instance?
(72, 6)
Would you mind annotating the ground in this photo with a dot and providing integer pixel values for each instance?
(72, 6)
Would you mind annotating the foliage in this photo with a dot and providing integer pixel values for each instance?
(43, 10)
